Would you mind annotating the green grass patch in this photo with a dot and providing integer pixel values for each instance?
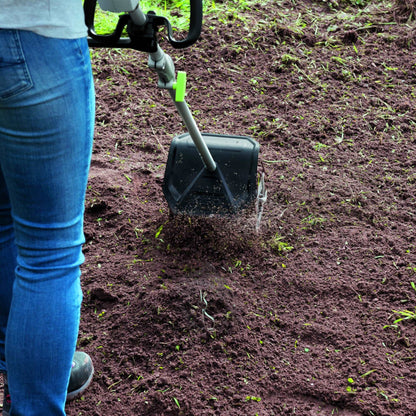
(178, 12)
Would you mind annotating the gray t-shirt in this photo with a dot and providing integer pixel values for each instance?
(52, 18)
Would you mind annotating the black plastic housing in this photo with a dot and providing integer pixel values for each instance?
(191, 189)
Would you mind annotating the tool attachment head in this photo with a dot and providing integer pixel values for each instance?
(191, 189)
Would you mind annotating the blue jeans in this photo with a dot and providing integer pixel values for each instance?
(46, 130)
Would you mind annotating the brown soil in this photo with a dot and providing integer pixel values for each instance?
(194, 316)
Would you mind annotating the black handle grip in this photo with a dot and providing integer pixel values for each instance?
(195, 25)
(114, 39)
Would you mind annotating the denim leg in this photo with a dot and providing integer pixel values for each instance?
(8, 254)
(46, 128)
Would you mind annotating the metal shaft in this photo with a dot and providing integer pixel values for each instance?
(138, 17)
(164, 66)
(194, 132)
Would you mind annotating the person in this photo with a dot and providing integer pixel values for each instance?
(46, 132)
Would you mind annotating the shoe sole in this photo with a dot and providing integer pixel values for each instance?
(74, 394)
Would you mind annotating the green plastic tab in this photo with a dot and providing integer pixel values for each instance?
(180, 86)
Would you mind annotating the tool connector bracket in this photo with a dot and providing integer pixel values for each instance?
(165, 68)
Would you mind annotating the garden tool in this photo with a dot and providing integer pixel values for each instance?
(206, 174)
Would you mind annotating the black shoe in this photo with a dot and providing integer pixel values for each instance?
(6, 400)
(81, 375)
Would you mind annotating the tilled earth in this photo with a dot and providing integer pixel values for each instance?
(296, 312)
